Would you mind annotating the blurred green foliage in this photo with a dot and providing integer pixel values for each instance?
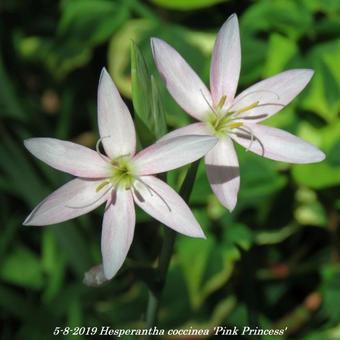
(277, 254)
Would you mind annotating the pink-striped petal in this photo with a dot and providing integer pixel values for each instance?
(278, 145)
(118, 230)
(73, 199)
(172, 153)
(164, 204)
(272, 94)
(226, 62)
(69, 157)
(115, 124)
(181, 80)
(223, 172)
(192, 129)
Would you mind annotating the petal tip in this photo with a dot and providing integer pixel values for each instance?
(320, 156)
(28, 142)
(232, 16)
(108, 272)
(198, 233)
(103, 73)
(28, 221)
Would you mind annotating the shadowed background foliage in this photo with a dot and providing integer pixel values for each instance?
(274, 261)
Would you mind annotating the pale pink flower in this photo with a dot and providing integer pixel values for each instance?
(119, 179)
(233, 119)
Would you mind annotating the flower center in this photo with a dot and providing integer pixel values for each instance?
(222, 123)
(123, 174)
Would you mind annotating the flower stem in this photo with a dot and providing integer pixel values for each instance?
(166, 253)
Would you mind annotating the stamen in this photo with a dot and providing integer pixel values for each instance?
(270, 104)
(264, 115)
(250, 93)
(206, 100)
(221, 103)
(88, 205)
(235, 125)
(111, 200)
(150, 190)
(247, 108)
(97, 148)
(249, 132)
(137, 193)
(102, 185)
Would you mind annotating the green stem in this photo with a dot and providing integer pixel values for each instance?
(166, 253)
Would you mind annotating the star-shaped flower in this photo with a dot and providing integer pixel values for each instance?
(119, 179)
(233, 119)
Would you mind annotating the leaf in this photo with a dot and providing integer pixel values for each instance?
(53, 262)
(146, 101)
(322, 95)
(280, 51)
(259, 178)
(90, 22)
(238, 234)
(207, 265)
(186, 5)
(22, 267)
(9, 104)
(157, 110)
(286, 16)
(328, 171)
(330, 292)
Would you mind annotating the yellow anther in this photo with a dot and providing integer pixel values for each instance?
(221, 103)
(235, 125)
(249, 107)
(102, 185)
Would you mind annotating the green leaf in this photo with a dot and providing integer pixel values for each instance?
(259, 178)
(157, 110)
(328, 171)
(146, 101)
(22, 267)
(280, 51)
(330, 291)
(207, 265)
(9, 104)
(286, 16)
(322, 95)
(238, 234)
(186, 5)
(91, 22)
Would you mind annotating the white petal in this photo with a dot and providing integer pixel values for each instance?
(172, 153)
(163, 203)
(73, 199)
(115, 124)
(192, 129)
(278, 90)
(181, 80)
(279, 145)
(117, 234)
(226, 61)
(223, 172)
(69, 157)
